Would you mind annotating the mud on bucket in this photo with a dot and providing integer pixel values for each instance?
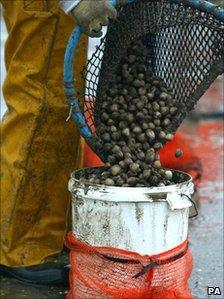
(144, 220)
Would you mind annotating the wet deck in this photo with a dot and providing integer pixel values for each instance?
(206, 232)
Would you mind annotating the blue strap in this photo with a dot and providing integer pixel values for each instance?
(70, 90)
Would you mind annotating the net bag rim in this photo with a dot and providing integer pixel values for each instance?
(73, 243)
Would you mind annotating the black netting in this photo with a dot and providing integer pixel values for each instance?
(186, 50)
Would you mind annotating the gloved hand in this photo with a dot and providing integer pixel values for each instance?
(91, 15)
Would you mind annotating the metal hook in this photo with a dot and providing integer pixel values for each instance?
(70, 114)
(194, 205)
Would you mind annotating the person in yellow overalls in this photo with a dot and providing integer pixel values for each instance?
(39, 148)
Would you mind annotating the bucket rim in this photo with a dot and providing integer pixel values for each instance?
(74, 183)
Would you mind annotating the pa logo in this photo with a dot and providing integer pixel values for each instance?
(214, 291)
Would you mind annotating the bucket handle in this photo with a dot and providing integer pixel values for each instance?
(194, 205)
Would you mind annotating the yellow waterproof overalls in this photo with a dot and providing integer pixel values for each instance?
(39, 149)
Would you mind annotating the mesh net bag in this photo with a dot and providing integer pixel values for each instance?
(105, 272)
(186, 49)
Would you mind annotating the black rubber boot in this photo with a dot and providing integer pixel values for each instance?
(44, 274)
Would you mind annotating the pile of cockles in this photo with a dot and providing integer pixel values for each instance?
(135, 116)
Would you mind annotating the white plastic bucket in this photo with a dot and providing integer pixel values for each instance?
(144, 220)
